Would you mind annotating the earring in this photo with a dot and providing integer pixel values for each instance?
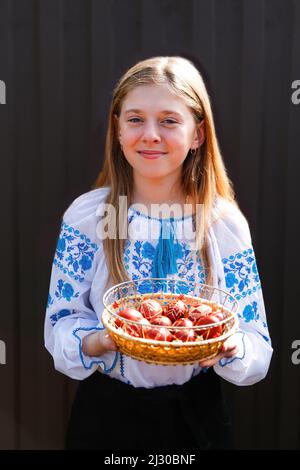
(193, 152)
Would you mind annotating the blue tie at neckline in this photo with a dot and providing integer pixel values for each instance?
(164, 262)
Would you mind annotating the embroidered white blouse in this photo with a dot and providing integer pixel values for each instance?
(79, 274)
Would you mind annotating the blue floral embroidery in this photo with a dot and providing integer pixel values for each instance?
(139, 255)
(250, 312)
(50, 301)
(202, 274)
(74, 253)
(241, 274)
(65, 290)
(62, 313)
(139, 260)
(122, 368)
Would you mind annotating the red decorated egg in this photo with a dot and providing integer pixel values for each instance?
(139, 330)
(159, 334)
(161, 321)
(132, 315)
(212, 332)
(199, 311)
(175, 310)
(150, 309)
(221, 315)
(186, 334)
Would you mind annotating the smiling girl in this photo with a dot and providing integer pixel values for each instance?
(161, 148)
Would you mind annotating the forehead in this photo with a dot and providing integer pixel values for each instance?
(154, 98)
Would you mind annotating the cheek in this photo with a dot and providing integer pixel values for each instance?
(179, 140)
(130, 136)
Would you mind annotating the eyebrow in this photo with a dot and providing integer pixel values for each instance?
(166, 111)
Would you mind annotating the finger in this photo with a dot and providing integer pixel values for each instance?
(212, 361)
(227, 347)
(231, 352)
(110, 342)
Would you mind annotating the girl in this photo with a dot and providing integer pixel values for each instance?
(161, 147)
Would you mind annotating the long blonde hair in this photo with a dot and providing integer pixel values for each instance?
(204, 175)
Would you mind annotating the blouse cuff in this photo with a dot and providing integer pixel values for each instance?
(240, 336)
(108, 360)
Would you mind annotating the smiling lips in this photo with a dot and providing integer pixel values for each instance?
(151, 154)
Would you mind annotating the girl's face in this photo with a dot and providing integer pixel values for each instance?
(156, 131)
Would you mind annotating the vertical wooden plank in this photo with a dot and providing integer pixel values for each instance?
(252, 109)
(203, 41)
(28, 174)
(127, 35)
(167, 27)
(53, 202)
(289, 408)
(227, 21)
(153, 35)
(273, 190)
(8, 319)
(248, 181)
(77, 93)
(103, 79)
(77, 96)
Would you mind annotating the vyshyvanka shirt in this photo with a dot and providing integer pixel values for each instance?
(79, 276)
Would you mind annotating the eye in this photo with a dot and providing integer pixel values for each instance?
(170, 121)
(133, 119)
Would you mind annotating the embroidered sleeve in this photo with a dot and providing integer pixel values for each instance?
(69, 313)
(238, 274)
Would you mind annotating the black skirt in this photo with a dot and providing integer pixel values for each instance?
(110, 415)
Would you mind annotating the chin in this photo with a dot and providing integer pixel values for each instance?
(155, 171)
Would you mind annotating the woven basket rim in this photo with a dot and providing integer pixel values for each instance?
(168, 280)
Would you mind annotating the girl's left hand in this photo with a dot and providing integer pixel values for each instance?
(229, 349)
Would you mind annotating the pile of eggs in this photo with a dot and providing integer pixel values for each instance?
(157, 322)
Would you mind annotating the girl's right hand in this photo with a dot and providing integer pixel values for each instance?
(98, 343)
(107, 342)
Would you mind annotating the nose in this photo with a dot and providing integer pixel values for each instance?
(151, 132)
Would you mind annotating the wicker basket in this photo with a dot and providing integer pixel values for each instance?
(130, 294)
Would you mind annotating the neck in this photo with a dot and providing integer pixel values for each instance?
(159, 191)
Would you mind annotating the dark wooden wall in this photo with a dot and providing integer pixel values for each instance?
(60, 60)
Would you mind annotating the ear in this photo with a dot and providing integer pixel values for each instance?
(199, 135)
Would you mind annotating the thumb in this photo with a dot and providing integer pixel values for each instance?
(109, 342)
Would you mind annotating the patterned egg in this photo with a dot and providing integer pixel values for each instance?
(150, 309)
(186, 334)
(198, 311)
(159, 334)
(161, 321)
(175, 310)
(213, 331)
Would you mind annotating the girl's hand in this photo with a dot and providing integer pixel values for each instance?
(98, 343)
(229, 349)
(107, 342)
